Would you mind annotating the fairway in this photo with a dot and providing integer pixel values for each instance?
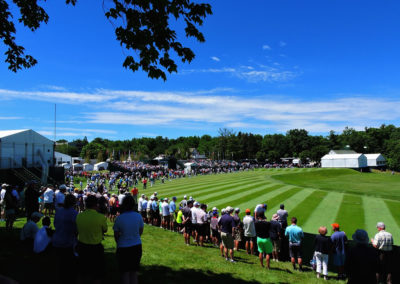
(317, 197)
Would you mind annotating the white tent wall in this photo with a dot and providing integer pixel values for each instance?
(375, 160)
(88, 167)
(100, 166)
(25, 148)
(353, 161)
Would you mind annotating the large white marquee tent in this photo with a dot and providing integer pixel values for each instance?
(25, 148)
(354, 161)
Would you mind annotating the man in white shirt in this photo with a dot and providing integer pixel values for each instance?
(48, 197)
(140, 203)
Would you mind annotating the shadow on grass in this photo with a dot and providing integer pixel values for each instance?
(154, 273)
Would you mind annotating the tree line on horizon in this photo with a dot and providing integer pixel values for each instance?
(229, 145)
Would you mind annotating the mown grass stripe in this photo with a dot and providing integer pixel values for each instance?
(218, 194)
(325, 213)
(204, 180)
(280, 198)
(193, 188)
(251, 201)
(394, 208)
(351, 214)
(290, 201)
(375, 210)
(238, 198)
(305, 208)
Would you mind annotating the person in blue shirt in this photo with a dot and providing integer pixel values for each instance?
(296, 235)
(172, 211)
(128, 228)
(64, 238)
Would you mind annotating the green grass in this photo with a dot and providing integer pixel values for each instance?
(166, 259)
(317, 197)
(346, 180)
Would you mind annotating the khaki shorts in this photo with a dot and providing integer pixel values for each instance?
(227, 240)
(238, 235)
(173, 219)
(148, 214)
(277, 245)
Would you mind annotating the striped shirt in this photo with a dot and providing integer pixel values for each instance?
(383, 241)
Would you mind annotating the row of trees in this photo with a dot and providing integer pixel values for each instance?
(237, 146)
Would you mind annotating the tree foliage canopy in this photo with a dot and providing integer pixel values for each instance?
(141, 26)
(230, 145)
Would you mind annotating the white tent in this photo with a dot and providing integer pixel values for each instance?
(87, 167)
(77, 167)
(25, 148)
(62, 158)
(66, 166)
(188, 167)
(353, 161)
(100, 166)
(375, 160)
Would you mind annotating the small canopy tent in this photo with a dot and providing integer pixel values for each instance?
(87, 167)
(353, 161)
(100, 166)
(77, 167)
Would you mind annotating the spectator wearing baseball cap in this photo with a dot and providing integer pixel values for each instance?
(227, 225)
(361, 263)
(339, 240)
(249, 232)
(383, 242)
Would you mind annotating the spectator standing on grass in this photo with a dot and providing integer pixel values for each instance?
(187, 221)
(339, 240)
(260, 209)
(322, 248)
(283, 215)
(172, 212)
(31, 200)
(10, 205)
(64, 238)
(275, 235)
(227, 225)
(238, 228)
(383, 242)
(42, 241)
(296, 235)
(264, 243)
(48, 197)
(215, 235)
(362, 261)
(128, 228)
(249, 232)
(91, 226)
(165, 213)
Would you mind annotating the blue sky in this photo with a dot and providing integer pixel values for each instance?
(266, 67)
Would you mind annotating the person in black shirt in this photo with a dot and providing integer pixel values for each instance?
(322, 248)
(362, 260)
(187, 221)
(263, 241)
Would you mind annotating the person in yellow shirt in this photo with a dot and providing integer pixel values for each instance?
(91, 226)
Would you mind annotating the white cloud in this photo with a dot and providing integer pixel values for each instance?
(261, 73)
(282, 43)
(266, 47)
(215, 58)
(10, 117)
(215, 108)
